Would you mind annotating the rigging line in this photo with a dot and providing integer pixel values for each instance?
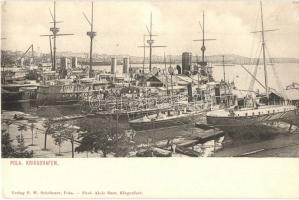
(251, 85)
(252, 76)
(278, 82)
(253, 55)
(255, 28)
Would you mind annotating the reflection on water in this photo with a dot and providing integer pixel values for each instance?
(19, 106)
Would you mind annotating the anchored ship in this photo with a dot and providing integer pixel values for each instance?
(122, 105)
(195, 108)
(256, 118)
(64, 90)
(179, 115)
(15, 86)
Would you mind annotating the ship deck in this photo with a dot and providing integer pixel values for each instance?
(251, 111)
(164, 117)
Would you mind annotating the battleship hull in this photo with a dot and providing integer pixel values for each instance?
(153, 123)
(22, 95)
(253, 122)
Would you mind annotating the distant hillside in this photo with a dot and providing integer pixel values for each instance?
(105, 59)
(228, 58)
(236, 59)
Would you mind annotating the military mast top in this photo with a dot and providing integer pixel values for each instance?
(55, 31)
(91, 34)
(203, 47)
(150, 43)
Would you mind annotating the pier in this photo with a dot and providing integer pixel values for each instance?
(178, 139)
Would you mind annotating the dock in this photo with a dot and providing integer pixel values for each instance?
(194, 135)
(180, 139)
(283, 145)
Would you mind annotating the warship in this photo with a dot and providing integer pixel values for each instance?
(57, 86)
(209, 95)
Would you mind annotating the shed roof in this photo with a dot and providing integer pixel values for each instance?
(292, 94)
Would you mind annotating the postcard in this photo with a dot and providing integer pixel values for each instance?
(150, 99)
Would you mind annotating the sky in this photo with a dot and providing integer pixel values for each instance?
(120, 26)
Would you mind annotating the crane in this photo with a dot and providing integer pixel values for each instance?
(24, 54)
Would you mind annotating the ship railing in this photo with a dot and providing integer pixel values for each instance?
(129, 104)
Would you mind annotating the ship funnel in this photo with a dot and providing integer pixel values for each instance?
(126, 63)
(113, 65)
(186, 62)
(74, 62)
(179, 69)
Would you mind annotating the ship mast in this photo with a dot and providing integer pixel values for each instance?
(223, 68)
(143, 62)
(55, 31)
(165, 72)
(263, 48)
(203, 48)
(264, 54)
(91, 34)
(150, 43)
(51, 52)
(203, 63)
(224, 65)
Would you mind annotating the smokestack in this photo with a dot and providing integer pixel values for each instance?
(113, 65)
(186, 62)
(63, 67)
(74, 62)
(126, 63)
(179, 69)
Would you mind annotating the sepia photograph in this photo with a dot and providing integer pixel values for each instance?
(83, 79)
(149, 99)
